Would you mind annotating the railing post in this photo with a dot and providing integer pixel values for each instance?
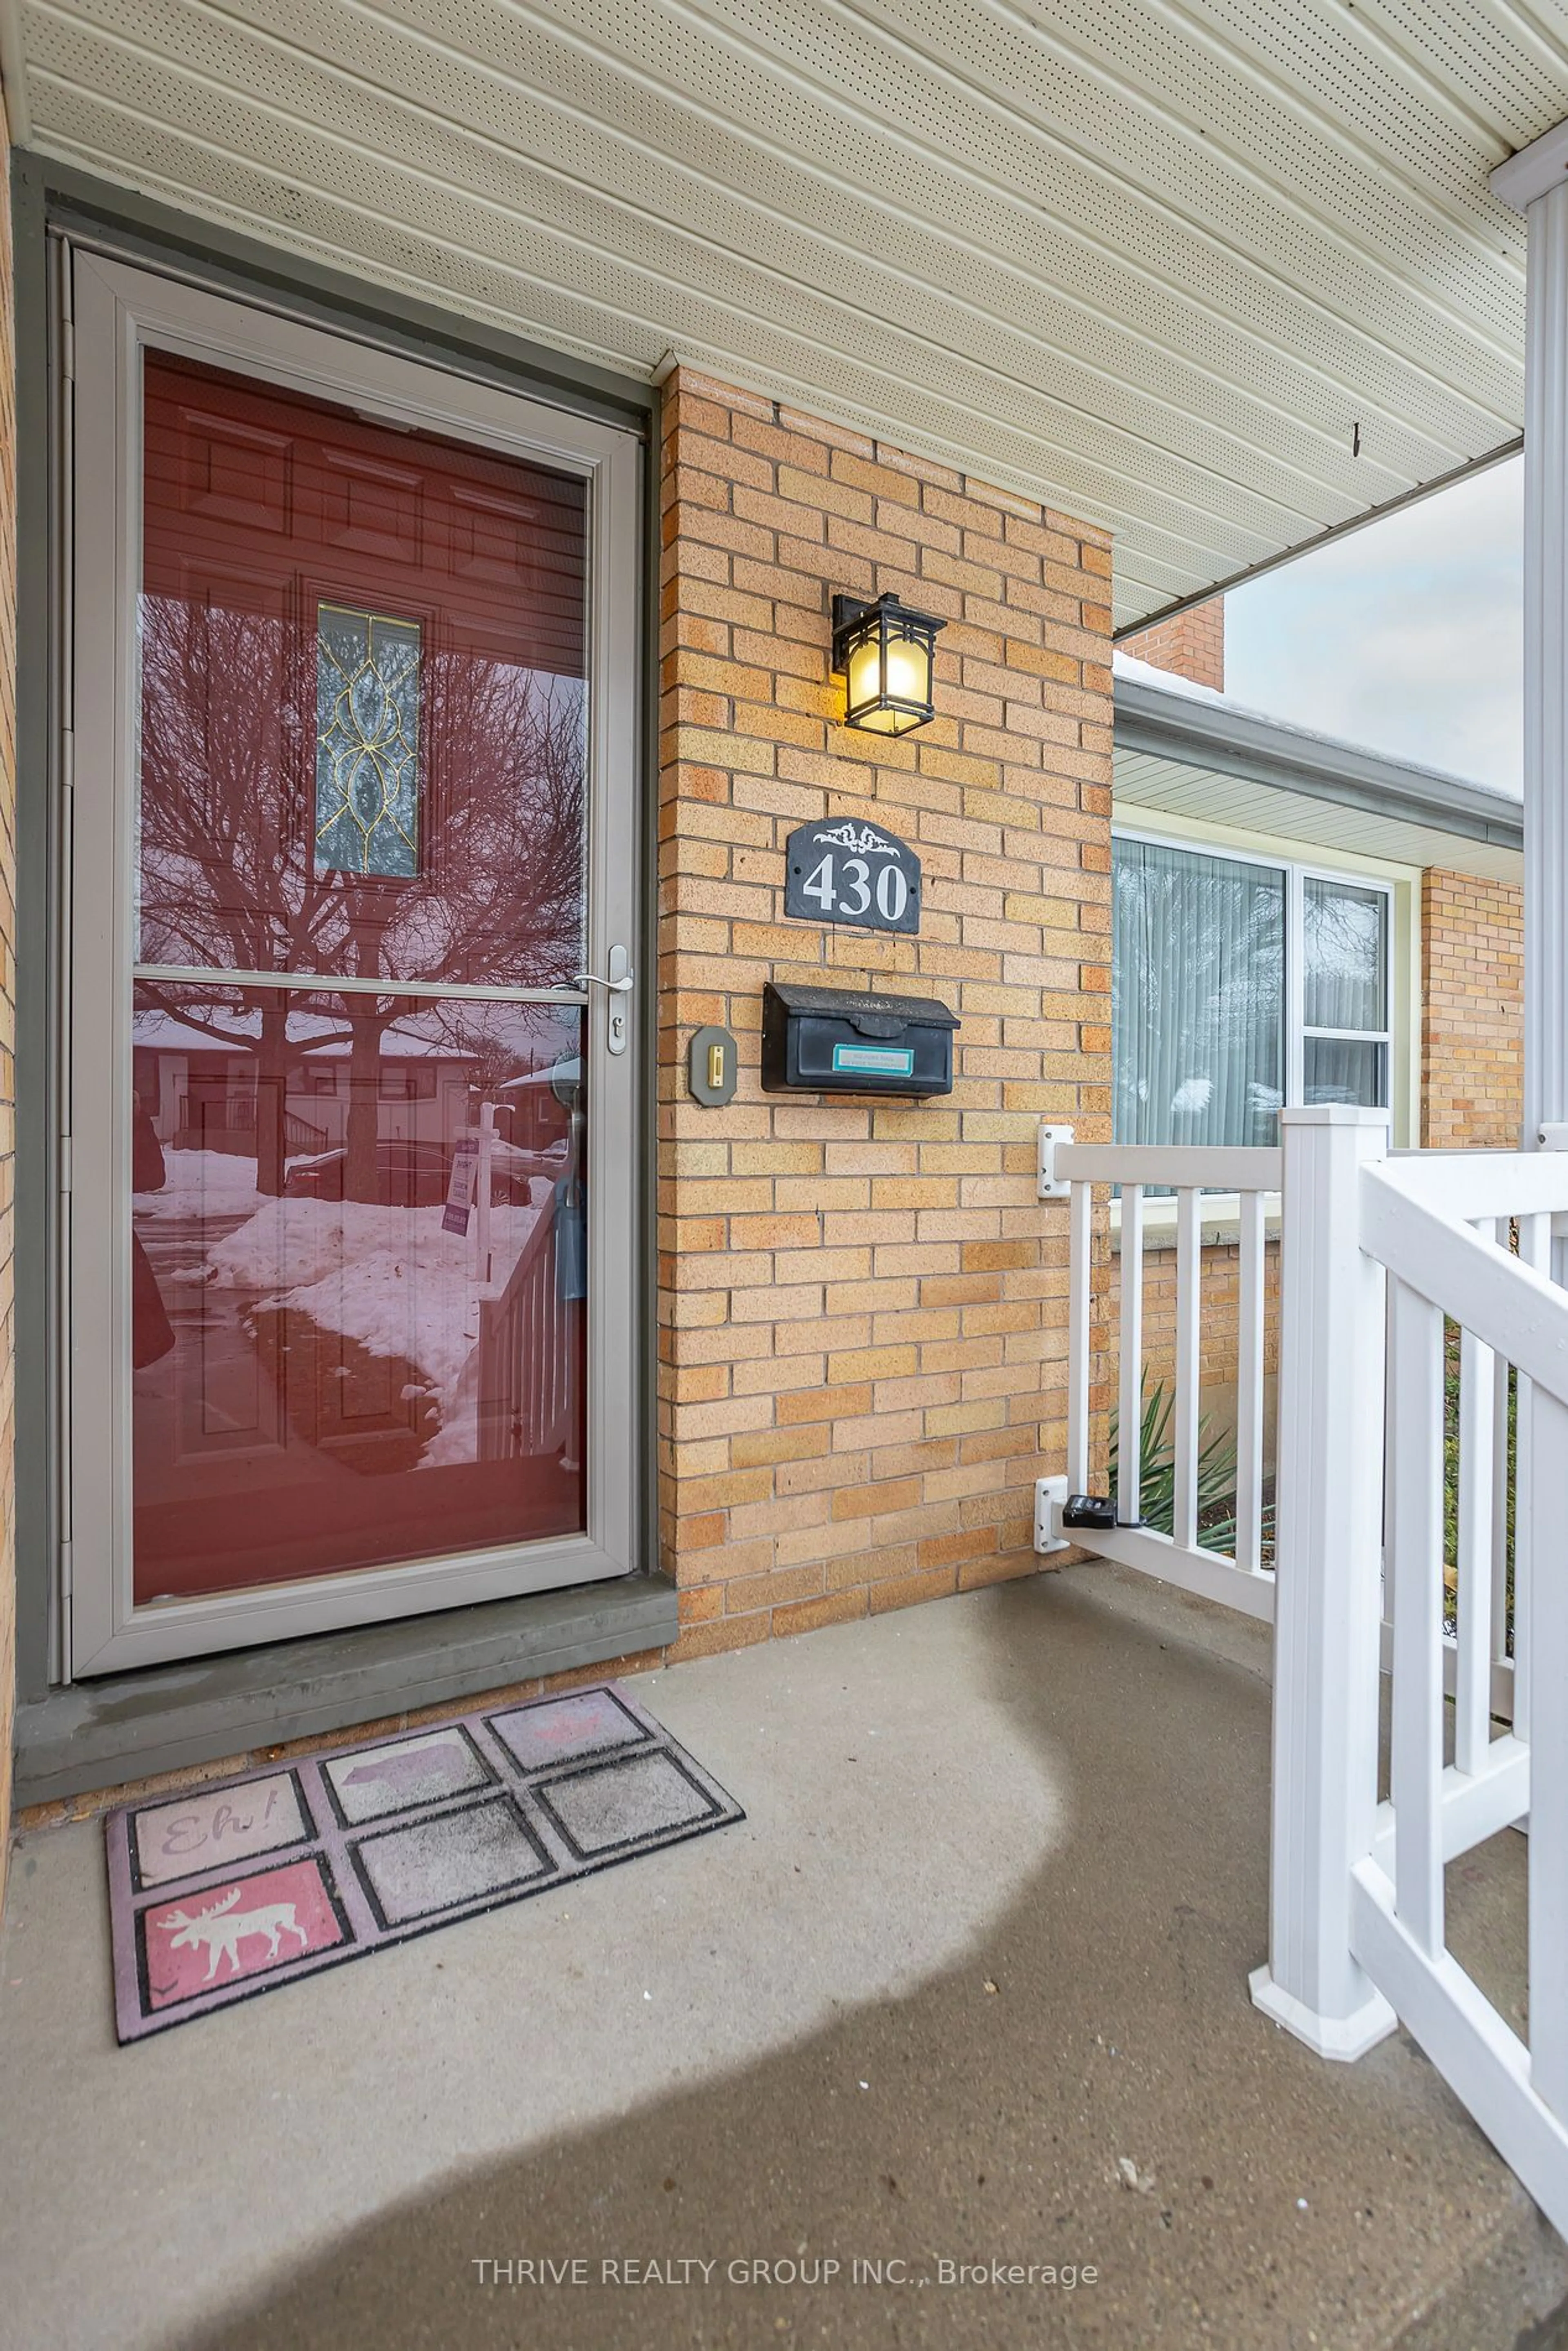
(1328, 1535)
(1545, 1503)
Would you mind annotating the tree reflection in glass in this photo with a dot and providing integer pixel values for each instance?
(229, 881)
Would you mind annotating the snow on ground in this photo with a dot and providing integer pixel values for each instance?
(456, 1441)
(200, 1184)
(289, 1241)
(389, 1277)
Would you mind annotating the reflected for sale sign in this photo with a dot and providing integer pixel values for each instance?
(460, 1190)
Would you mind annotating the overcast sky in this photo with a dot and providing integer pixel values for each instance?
(1404, 636)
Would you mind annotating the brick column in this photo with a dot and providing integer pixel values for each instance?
(1472, 1011)
(1192, 645)
(862, 1305)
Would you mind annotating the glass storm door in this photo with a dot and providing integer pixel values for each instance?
(351, 1223)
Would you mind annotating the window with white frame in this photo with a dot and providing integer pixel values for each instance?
(1240, 984)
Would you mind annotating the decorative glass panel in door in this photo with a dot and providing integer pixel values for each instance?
(363, 1076)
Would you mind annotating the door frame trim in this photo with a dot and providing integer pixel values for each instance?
(127, 306)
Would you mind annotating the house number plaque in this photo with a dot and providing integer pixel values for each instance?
(851, 872)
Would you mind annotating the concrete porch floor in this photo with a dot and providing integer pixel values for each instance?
(984, 1932)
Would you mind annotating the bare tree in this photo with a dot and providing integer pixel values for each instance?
(231, 879)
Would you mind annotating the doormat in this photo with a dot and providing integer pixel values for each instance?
(231, 1890)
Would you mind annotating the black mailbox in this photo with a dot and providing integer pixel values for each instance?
(831, 1040)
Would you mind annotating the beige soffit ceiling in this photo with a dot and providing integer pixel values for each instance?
(1150, 260)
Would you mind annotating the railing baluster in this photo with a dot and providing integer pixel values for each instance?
(1473, 1546)
(1500, 1488)
(1129, 1424)
(1249, 1388)
(1535, 1249)
(1080, 1215)
(1189, 1302)
(1544, 1502)
(1416, 1379)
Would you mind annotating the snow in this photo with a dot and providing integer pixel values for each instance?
(1143, 672)
(200, 1184)
(390, 1277)
(398, 1302)
(456, 1441)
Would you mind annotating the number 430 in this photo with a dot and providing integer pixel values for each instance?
(853, 894)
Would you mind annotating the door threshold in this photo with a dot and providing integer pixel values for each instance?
(99, 1734)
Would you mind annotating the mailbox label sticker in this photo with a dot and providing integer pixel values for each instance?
(885, 1061)
(851, 872)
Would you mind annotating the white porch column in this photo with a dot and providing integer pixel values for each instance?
(1535, 183)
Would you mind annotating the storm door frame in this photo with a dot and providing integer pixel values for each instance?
(118, 310)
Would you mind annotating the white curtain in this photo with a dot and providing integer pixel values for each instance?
(1198, 997)
(1344, 986)
(1345, 955)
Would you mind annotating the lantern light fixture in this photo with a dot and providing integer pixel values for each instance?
(886, 653)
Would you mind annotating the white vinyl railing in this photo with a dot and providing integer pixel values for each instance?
(1380, 1256)
(1477, 1661)
(527, 1369)
(1383, 1258)
(1182, 1557)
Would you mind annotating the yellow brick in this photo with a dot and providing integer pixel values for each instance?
(872, 1501)
(873, 1362)
(726, 1633)
(778, 1445)
(906, 1591)
(859, 1302)
(833, 1608)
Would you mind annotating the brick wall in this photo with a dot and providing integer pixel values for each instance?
(1192, 645)
(8, 998)
(1472, 1027)
(862, 1306)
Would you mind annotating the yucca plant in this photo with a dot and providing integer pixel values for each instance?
(1156, 1469)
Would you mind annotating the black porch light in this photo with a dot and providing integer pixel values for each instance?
(886, 653)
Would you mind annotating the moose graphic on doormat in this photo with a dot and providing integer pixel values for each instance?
(252, 1924)
(223, 1929)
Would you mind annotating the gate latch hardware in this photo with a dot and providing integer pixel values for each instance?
(1096, 1510)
